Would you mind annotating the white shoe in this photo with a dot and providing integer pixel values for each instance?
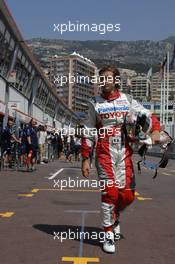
(116, 230)
(108, 245)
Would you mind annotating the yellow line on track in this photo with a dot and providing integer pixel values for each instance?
(70, 190)
(35, 190)
(25, 194)
(80, 260)
(7, 214)
(143, 199)
(140, 198)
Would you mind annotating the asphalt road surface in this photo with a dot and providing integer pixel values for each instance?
(41, 224)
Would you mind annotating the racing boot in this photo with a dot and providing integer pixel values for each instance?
(108, 245)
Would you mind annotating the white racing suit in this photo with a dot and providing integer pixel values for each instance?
(113, 152)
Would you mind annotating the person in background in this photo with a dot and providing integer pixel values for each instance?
(54, 144)
(51, 145)
(8, 138)
(22, 149)
(42, 138)
(71, 148)
(77, 148)
(60, 145)
(65, 144)
(32, 144)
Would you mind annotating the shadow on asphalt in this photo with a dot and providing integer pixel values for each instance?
(92, 236)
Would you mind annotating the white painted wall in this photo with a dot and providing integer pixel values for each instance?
(38, 113)
(58, 124)
(22, 103)
(15, 96)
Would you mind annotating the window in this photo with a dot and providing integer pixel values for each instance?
(19, 54)
(23, 60)
(5, 53)
(2, 27)
(7, 36)
(157, 107)
(26, 64)
(12, 44)
(30, 69)
(170, 107)
(147, 106)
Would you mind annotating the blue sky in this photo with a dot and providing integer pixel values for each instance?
(148, 19)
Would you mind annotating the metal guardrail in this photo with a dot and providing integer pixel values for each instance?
(156, 152)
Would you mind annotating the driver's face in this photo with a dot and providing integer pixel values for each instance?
(108, 81)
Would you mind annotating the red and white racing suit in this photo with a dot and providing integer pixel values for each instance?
(113, 154)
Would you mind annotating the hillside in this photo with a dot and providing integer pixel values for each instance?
(137, 55)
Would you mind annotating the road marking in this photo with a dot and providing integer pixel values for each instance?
(70, 190)
(77, 260)
(140, 198)
(172, 171)
(83, 214)
(168, 174)
(83, 190)
(55, 174)
(143, 199)
(7, 214)
(169, 170)
(35, 190)
(25, 194)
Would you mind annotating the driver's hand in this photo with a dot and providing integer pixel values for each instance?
(85, 168)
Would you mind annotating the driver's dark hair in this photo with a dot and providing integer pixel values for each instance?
(114, 70)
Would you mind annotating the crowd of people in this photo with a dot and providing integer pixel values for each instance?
(32, 144)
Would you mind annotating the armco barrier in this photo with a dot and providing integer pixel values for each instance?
(156, 152)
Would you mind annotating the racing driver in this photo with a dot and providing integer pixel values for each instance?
(107, 113)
